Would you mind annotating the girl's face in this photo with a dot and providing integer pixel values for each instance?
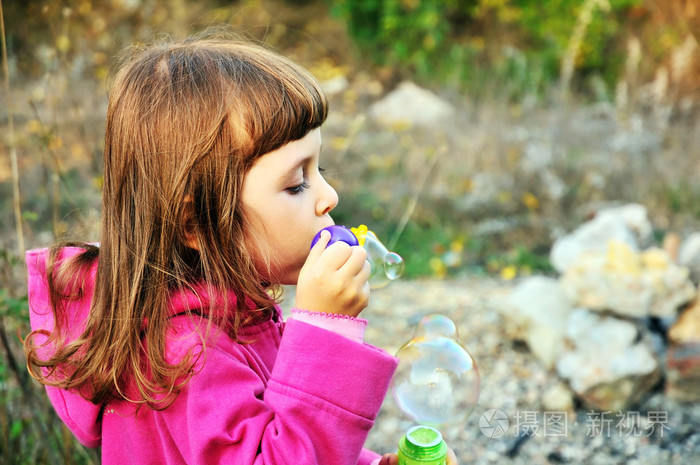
(287, 201)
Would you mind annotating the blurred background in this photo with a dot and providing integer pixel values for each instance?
(469, 134)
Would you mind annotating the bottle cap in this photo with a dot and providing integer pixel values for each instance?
(422, 445)
(423, 436)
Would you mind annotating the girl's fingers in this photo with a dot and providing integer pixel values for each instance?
(355, 263)
(336, 255)
(451, 457)
(366, 270)
(362, 276)
(334, 279)
(319, 246)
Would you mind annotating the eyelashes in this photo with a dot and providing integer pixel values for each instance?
(298, 189)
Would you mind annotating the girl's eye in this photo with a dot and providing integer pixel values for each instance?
(294, 190)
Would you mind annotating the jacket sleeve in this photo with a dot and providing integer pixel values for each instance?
(317, 407)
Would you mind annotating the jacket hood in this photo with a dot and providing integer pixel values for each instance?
(81, 416)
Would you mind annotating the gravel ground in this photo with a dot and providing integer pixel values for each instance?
(514, 382)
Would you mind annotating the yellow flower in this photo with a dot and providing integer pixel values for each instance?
(55, 143)
(340, 143)
(530, 201)
(34, 126)
(438, 267)
(361, 233)
(509, 272)
(63, 43)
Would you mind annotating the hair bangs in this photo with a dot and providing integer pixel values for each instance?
(287, 101)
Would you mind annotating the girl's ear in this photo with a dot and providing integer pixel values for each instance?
(189, 225)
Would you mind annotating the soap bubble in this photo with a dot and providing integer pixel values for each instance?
(386, 266)
(393, 266)
(436, 325)
(437, 381)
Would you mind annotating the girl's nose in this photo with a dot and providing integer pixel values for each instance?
(328, 199)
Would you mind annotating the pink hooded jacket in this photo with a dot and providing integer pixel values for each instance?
(294, 394)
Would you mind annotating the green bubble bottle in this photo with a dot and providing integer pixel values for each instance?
(422, 445)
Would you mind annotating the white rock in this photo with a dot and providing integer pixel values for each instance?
(636, 218)
(689, 255)
(593, 235)
(627, 223)
(628, 282)
(606, 365)
(335, 85)
(558, 398)
(411, 104)
(540, 311)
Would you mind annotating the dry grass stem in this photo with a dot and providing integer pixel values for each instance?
(11, 142)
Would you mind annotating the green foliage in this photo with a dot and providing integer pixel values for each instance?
(30, 432)
(519, 260)
(549, 25)
(517, 44)
(12, 307)
(419, 245)
(683, 197)
(410, 33)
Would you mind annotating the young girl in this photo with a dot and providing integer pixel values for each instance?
(165, 344)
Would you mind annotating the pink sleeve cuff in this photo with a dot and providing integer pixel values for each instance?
(350, 327)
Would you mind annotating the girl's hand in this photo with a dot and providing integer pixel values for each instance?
(334, 279)
(393, 459)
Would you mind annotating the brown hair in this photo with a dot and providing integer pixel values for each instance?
(185, 122)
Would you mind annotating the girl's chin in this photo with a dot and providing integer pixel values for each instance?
(288, 279)
(291, 281)
(277, 275)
